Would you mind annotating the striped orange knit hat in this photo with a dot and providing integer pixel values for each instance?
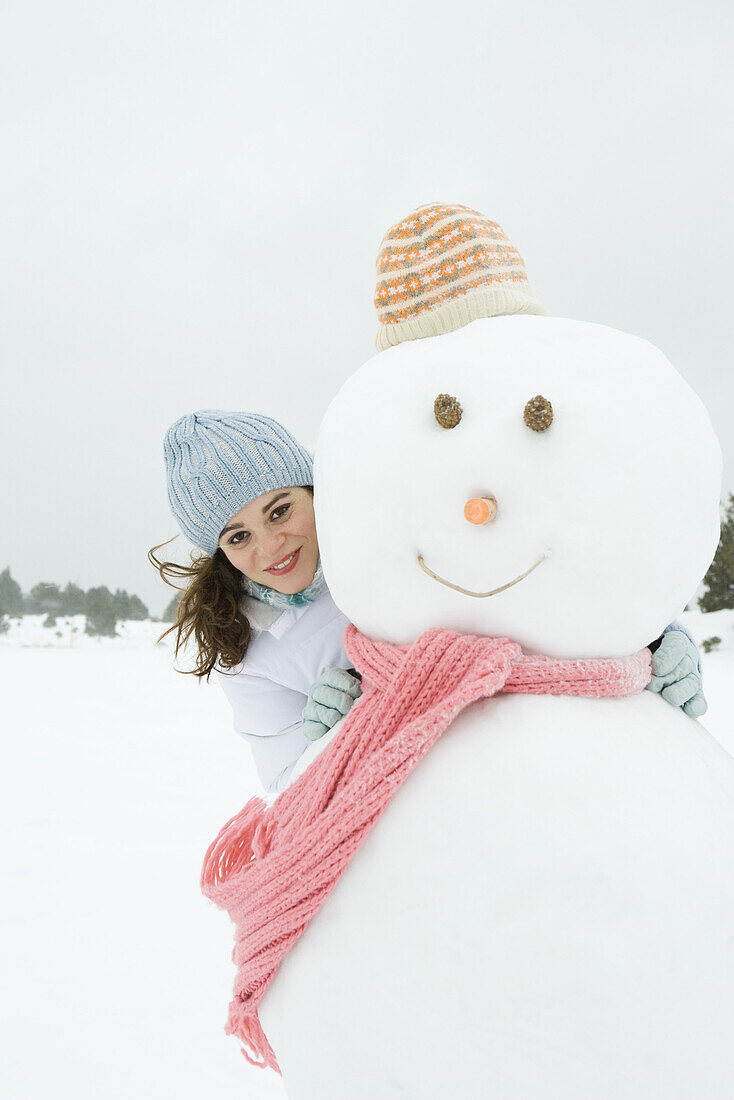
(442, 267)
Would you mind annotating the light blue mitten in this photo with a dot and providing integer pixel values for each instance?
(329, 699)
(676, 673)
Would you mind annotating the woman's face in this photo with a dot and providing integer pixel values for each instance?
(272, 540)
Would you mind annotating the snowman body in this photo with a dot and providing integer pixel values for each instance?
(545, 910)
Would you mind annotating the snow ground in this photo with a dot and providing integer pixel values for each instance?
(117, 775)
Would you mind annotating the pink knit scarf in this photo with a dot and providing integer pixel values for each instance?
(272, 869)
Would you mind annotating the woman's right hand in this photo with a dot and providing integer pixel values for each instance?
(330, 698)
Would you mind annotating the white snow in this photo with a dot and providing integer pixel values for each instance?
(545, 906)
(618, 499)
(543, 910)
(718, 670)
(117, 773)
(69, 632)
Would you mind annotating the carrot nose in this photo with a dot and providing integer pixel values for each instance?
(480, 509)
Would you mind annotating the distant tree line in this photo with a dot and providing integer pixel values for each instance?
(102, 608)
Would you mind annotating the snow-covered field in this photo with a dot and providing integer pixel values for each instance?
(117, 773)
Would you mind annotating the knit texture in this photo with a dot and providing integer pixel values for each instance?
(217, 462)
(442, 267)
(272, 869)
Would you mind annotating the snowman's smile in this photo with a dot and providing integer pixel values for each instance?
(480, 595)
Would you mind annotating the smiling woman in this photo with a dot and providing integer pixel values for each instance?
(256, 604)
(272, 540)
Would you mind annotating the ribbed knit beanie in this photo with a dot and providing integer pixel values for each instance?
(216, 462)
(442, 267)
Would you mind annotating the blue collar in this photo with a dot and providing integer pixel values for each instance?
(284, 600)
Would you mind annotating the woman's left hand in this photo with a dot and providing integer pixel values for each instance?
(329, 699)
(675, 673)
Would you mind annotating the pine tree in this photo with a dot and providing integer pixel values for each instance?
(11, 596)
(4, 624)
(169, 615)
(137, 610)
(72, 600)
(719, 579)
(129, 607)
(44, 598)
(121, 602)
(100, 611)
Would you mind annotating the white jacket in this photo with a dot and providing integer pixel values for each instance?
(288, 651)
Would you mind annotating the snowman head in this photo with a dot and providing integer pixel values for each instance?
(598, 468)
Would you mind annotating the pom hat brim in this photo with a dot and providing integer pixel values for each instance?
(461, 311)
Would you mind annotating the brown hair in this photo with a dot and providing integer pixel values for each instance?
(210, 608)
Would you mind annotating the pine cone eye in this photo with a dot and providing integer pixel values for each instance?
(447, 410)
(538, 413)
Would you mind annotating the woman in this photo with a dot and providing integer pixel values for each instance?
(241, 489)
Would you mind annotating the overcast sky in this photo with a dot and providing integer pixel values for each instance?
(193, 194)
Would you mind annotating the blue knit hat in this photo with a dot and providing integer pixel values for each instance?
(216, 462)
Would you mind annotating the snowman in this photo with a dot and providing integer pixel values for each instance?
(545, 909)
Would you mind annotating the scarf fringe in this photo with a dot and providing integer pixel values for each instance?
(235, 845)
(248, 1029)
